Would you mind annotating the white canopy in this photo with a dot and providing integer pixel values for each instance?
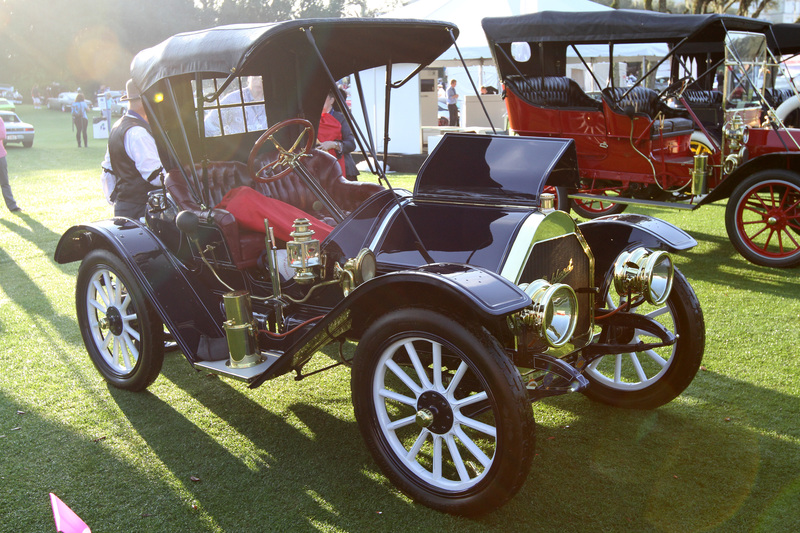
(467, 15)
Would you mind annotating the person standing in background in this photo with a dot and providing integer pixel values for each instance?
(348, 140)
(452, 103)
(132, 167)
(11, 204)
(36, 97)
(330, 135)
(80, 119)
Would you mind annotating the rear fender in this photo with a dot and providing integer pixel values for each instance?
(610, 235)
(168, 284)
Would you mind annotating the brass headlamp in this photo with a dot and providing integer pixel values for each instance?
(357, 270)
(736, 134)
(554, 313)
(641, 271)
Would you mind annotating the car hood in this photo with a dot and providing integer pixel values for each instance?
(486, 169)
(14, 126)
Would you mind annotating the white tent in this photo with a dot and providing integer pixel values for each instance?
(467, 15)
(407, 132)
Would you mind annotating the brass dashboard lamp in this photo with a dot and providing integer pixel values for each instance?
(303, 251)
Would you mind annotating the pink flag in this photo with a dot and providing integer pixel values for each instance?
(66, 519)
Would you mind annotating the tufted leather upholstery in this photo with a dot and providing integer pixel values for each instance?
(551, 91)
(646, 101)
(702, 97)
(246, 246)
(642, 99)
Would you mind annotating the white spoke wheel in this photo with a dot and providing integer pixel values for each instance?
(121, 331)
(650, 378)
(443, 411)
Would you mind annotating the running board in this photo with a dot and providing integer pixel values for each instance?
(635, 201)
(247, 374)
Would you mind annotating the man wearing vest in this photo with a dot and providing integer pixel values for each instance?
(133, 158)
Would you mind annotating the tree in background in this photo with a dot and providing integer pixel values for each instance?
(89, 43)
(744, 8)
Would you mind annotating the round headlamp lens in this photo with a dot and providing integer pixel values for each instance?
(660, 273)
(365, 267)
(555, 311)
(562, 315)
(644, 272)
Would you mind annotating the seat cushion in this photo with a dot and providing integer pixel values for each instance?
(245, 239)
(251, 208)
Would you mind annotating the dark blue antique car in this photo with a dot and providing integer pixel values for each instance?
(468, 299)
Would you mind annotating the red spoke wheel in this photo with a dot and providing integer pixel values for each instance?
(763, 218)
(600, 207)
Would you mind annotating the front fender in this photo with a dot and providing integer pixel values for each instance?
(610, 235)
(188, 314)
(455, 288)
(482, 291)
(782, 160)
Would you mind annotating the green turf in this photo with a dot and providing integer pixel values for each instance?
(199, 453)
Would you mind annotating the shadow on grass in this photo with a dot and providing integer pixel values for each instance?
(708, 466)
(288, 475)
(23, 291)
(722, 265)
(39, 235)
(678, 468)
(85, 473)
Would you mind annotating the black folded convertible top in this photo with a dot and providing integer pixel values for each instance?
(348, 45)
(619, 26)
(787, 37)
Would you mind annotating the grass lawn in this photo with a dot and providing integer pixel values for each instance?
(199, 453)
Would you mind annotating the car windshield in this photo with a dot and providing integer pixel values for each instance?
(745, 60)
(10, 118)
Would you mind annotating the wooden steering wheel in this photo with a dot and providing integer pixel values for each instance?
(286, 158)
(676, 88)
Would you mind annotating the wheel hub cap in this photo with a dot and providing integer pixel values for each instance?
(112, 321)
(434, 412)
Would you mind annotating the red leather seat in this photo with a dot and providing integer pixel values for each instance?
(245, 246)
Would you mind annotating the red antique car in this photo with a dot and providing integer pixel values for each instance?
(562, 76)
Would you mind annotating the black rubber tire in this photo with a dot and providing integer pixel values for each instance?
(768, 194)
(470, 348)
(107, 324)
(681, 360)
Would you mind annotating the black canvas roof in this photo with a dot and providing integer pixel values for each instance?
(787, 37)
(619, 26)
(348, 45)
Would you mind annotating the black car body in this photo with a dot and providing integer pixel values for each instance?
(468, 298)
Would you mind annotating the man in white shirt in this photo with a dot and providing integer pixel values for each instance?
(132, 167)
(452, 103)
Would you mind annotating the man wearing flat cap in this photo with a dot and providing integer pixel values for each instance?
(132, 167)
